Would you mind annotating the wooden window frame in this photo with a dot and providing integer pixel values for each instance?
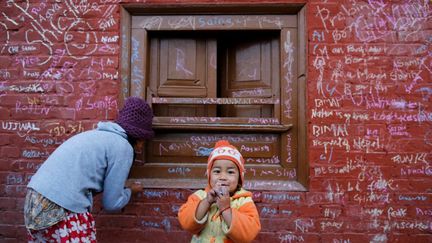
(131, 77)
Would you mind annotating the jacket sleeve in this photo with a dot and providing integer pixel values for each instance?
(186, 215)
(115, 195)
(245, 224)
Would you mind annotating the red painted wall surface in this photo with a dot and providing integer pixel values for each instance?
(369, 112)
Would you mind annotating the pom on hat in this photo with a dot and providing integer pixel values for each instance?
(136, 118)
(224, 150)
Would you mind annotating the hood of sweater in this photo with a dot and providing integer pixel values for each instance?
(111, 127)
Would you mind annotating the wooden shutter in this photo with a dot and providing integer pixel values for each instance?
(250, 69)
(180, 67)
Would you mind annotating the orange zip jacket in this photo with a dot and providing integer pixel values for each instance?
(245, 224)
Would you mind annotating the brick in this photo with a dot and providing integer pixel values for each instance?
(344, 237)
(410, 238)
(11, 218)
(285, 236)
(119, 221)
(10, 152)
(283, 197)
(149, 209)
(7, 204)
(8, 231)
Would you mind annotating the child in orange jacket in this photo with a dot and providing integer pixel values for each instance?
(224, 211)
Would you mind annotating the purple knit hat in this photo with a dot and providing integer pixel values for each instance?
(136, 118)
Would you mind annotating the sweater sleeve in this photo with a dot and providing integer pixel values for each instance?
(115, 195)
(245, 224)
(187, 218)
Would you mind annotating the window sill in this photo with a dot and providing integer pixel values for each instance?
(218, 127)
(255, 185)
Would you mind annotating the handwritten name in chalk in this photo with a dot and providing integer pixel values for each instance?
(281, 197)
(44, 141)
(107, 103)
(348, 59)
(373, 212)
(165, 224)
(407, 63)
(5, 74)
(109, 39)
(29, 88)
(372, 197)
(234, 139)
(336, 130)
(423, 226)
(215, 21)
(195, 119)
(423, 212)
(403, 75)
(31, 154)
(303, 225)
(365, 75)
(203, 151)
(26, 165)
(339, 142)
(269, 211)
(321, 113)
(257, 148)
(31, 74)
(105, 24)
(286, 212)
(17, 179)
(351, 165)
(290, 237)
(412, 198)
(330, 224)
(263, 121)
(398, 130)
(26, 61)
(173, 147)
(248, 93)
(332, 102)
(365, 49)
(342, 240)
(110, 76)
(367, 145)
(32, 108)
(382, 185)
(288, 173)
(157, 194)
(55, 129)
(421, 116)
(19, 126)
(273, 160)
(412, 158)
(396, 213)
(422, 171)
(332, 212)
(179, 170)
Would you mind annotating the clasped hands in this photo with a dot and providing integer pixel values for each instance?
(220, 195)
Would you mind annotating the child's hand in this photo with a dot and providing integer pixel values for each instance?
(223, 201)
(211, 196)
(136, 187)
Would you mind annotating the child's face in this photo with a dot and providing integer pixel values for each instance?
(224, 173)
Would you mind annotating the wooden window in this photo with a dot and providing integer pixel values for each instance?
(211, 77)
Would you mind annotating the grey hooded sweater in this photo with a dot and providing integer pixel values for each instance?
(90, 162)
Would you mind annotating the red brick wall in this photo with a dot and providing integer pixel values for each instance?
(369, 111)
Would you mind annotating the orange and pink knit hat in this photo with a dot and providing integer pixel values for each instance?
(224, 150)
